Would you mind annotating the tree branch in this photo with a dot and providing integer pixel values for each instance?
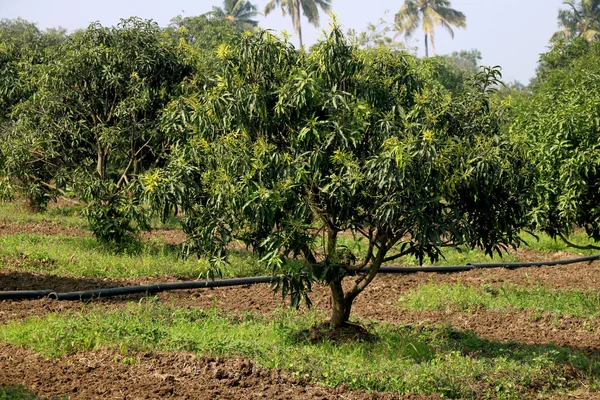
(361, 265)
(396, 256)
(124, 176)
(363, 281)
(576, 246)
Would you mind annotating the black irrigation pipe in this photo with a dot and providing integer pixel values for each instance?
(161, 287)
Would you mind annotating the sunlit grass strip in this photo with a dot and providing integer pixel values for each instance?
(544, 243)
(85, 257)
(431, 296)
(402, 359)
(67, 215)
(16, 212)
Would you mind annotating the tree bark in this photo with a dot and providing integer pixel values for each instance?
(426, 46)
(299, 27)
(340, 312)
(101, 163)
(342, 302)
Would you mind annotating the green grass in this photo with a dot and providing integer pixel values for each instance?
(402, 359)
(431, 296)
(18, 393)
(65, 215)
(84, 257)
(544, 243)
(16, 212)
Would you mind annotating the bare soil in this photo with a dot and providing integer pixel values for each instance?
(107, 374)
(12, 228)
(111, 375)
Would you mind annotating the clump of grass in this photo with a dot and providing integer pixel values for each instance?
(402, 359)
(431, 296)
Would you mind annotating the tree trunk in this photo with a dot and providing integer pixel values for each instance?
(101, 164)
(426, 46)
(340, 309)
(342, 302)
(34, 204)
(340, 313)
(299, 27)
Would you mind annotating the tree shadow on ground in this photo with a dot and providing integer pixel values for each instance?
(18, 280)
(572, 357)
(429, 341)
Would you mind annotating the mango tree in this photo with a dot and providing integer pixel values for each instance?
(92, 123)
(560, 125)
(22, 47)
(288, 152)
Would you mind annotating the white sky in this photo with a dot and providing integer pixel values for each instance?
(509, 33)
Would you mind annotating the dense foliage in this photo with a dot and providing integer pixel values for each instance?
(288, 151)
(560, 123)
(91, 125)
(294, 151)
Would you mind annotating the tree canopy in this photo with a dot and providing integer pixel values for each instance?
(91, 124)
(580, 19)
(288, 152)
(559, 124)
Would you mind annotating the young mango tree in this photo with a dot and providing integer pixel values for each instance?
(288, 152)
(92, 123)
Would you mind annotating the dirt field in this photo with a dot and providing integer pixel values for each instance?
(169, 375)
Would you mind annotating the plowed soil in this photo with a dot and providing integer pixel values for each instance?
(104, 374)
(108, 375)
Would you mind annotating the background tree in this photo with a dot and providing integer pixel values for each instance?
(377, 34)
(297, 8)
(581, 19)
(467, 60)
(204, 32)
(428, 14)
(238, 12)
(455, 70)
(563, 53)
(92, 123)
(293, 153)
(559, 124)
(22, 47)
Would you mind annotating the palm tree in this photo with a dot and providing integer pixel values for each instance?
(310, 9)
(238, 12)
(581, 20)
(428, 14)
